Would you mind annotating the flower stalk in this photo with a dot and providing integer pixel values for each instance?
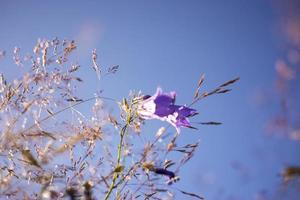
(123, 132)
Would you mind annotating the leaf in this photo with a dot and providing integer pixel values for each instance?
(113, 69)
(191, 127)
(50, 112)
(230, 82)
(201, 80)
(28, 157)
(194, 145)
(74, 99)
(161, 190)
(72, 141)
(148, 166)
(119, 169)
(88, 190)
(210, 123)
(224, 91)
(191, 194)
(78, 79)
(168, 163)
(196, 95)
(290, 173)
(125, 105)
(50, 135)
(113, 120)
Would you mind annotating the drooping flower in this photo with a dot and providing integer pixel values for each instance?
(162, 106)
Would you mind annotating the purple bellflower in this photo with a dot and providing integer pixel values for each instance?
(162, 106)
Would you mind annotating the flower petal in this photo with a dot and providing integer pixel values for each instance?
(162, 106)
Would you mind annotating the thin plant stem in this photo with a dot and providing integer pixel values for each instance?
(62, 110)
(123, 132)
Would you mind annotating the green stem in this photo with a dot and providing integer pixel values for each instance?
(116, 174)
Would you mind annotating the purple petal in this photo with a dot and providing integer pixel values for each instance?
(163, 111)
(182, 121)
(164, 100)
(185, 111)
(162, 106)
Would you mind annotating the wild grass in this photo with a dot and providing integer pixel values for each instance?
(49, 149)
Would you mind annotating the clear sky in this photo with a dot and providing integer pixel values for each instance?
(170, 44)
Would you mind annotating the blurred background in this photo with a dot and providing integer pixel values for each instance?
(170, 44)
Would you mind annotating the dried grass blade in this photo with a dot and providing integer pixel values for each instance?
(191, 194)
(28, 157)
(230, 82)
(201, 80)
(210, 123)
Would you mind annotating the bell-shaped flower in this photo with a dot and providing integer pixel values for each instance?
(162, 106)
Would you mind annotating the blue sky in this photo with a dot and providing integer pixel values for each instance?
(170, 44)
